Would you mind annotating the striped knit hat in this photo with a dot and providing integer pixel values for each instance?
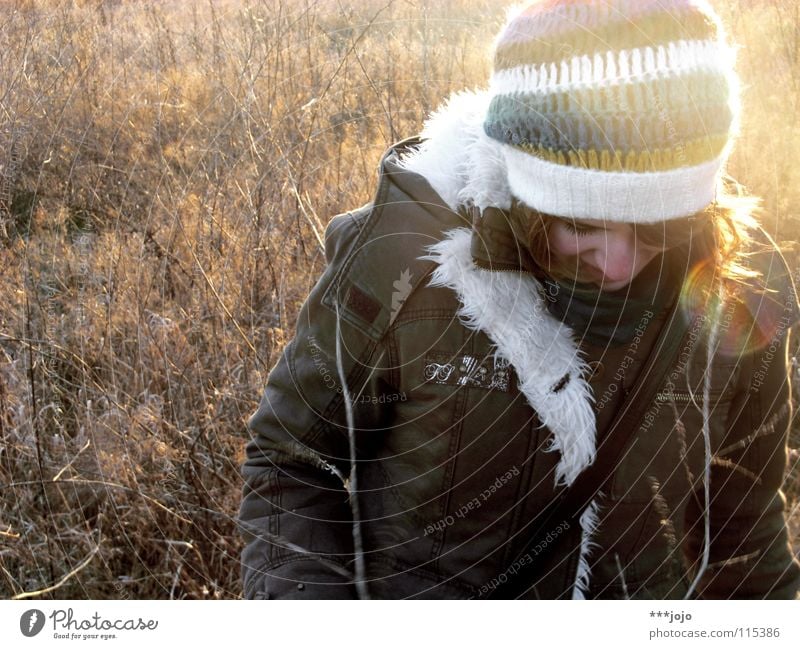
(622, 110)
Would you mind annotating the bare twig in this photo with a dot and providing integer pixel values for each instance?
(621, 573)
(358, 546)
(713, 339)
(289, 545)
(62, 581)
(57, 476)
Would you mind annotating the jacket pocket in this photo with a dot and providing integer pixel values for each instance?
(298, 578)
(668, 451)
(393, 579)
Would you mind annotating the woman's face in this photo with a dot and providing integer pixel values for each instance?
(601, 252)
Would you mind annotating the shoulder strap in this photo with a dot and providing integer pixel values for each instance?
(677, 335)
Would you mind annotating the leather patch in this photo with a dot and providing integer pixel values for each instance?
(362, 304)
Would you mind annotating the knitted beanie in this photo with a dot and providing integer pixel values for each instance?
(618, 110)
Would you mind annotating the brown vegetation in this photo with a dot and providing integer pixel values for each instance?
(166, 173)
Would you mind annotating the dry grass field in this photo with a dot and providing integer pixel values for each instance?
(166, 173)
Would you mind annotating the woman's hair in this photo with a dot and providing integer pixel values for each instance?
(717, 237)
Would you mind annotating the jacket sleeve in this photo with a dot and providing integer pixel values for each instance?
(750, 551)
(294, 515)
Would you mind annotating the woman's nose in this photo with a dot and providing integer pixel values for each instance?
(615, 256)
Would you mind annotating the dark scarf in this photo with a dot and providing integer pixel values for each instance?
(612, 317)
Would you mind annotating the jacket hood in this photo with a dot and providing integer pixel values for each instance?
(467, 169)
(462, 164)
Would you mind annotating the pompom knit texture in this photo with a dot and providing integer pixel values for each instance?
(622, 110)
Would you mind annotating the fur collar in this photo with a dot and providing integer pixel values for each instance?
(466, 168)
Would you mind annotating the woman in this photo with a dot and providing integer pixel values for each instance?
(548, 360)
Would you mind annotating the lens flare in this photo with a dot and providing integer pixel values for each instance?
(740, 331)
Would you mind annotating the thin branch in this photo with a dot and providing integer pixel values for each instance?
(261, 534)
(304, 212)
(62, 581)
(104, 483)
(712, 343)
(57, 476)
(358, 546)
(621, 573)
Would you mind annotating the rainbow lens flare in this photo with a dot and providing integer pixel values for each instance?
(747, 324)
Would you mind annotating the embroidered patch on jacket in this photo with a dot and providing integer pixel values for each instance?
(468, 370)
(362, 304)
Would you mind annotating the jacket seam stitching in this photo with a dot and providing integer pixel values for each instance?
(452, 452)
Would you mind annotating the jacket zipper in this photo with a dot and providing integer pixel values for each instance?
(684, 397)
(502, 268)
(499, 269)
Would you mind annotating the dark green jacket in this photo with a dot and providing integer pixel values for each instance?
(452, 456)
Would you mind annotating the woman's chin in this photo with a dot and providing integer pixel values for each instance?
(600, 280)
(605, 284)
(612, 286)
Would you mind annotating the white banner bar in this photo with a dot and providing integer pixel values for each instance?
(418, 624)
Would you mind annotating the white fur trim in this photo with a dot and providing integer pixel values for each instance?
(510, 309)
(588, 523)
(611, 196)
(605, 68)
(460, 162)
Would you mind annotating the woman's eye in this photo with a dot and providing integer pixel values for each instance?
(580, 230)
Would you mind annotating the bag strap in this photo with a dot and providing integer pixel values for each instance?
(572, 501)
